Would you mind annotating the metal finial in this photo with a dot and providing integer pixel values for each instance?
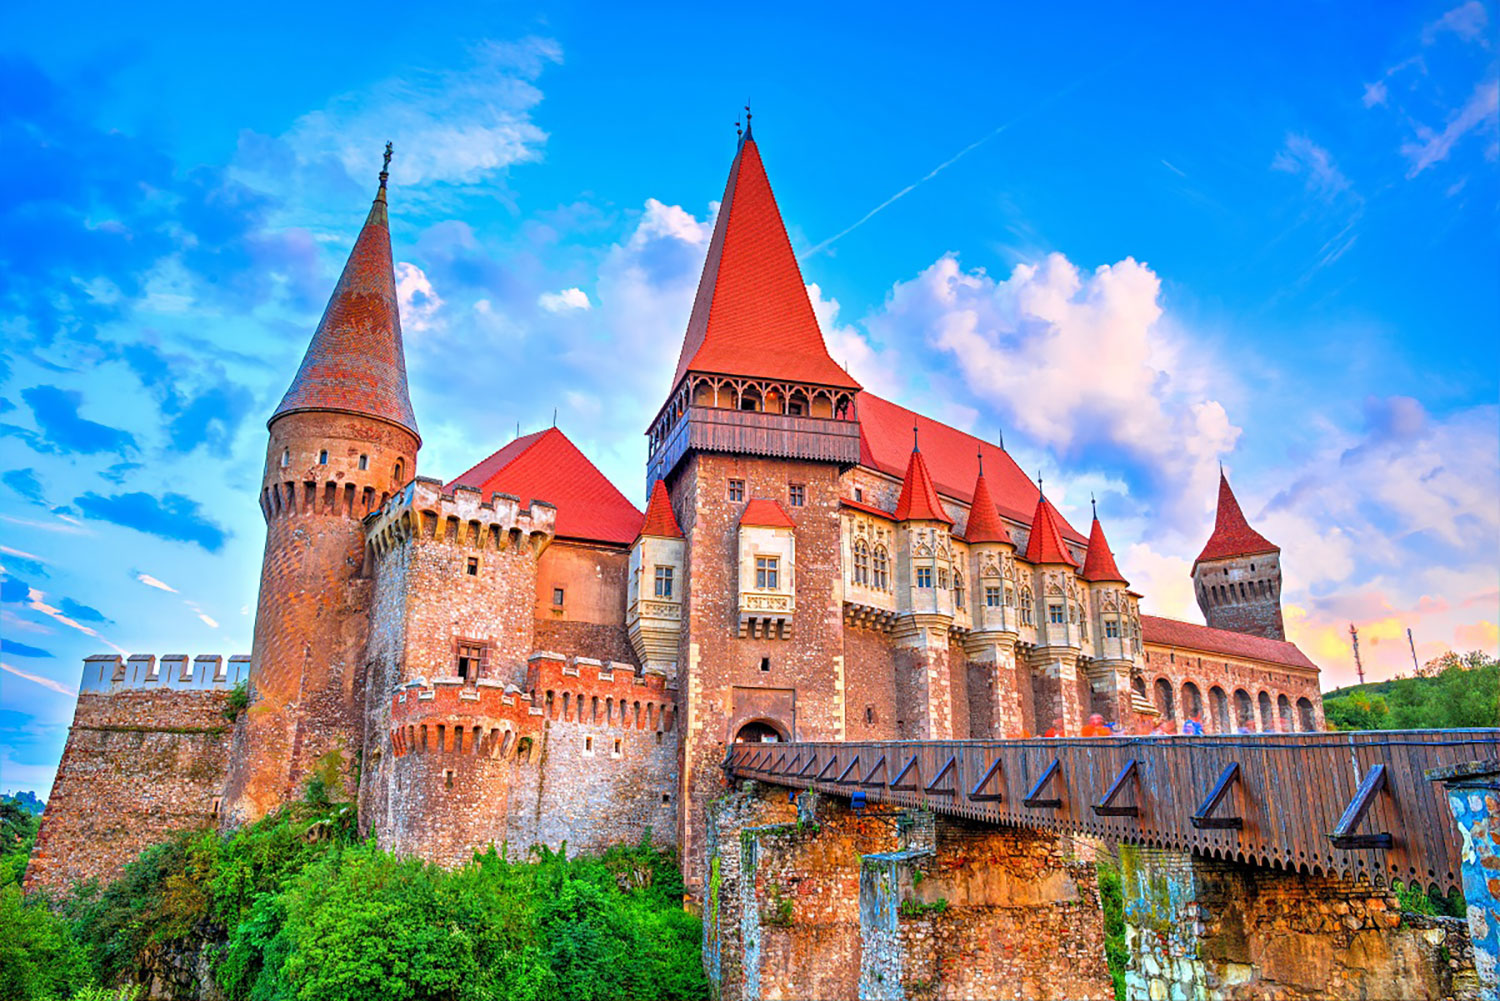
(386, 166)
(1039, 489)
(748, 116)
(554, 417)
(980, 450)
(1001, 433)
(739, 133)
(915, 447)
(1094, 504)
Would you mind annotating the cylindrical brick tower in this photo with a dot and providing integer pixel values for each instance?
(342, 441)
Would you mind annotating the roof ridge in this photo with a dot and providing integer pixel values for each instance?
(536, 436)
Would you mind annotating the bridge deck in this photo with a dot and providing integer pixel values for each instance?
(1287, 800)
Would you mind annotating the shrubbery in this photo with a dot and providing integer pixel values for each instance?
(297, 907)
(1451, 691)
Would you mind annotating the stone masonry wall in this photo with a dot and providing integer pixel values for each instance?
(138, 766)
(1197, 927)
(869, 684)
(1181, 668)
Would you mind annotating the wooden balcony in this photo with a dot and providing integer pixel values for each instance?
(751, 432)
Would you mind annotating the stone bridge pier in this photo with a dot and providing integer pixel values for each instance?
(808, 898)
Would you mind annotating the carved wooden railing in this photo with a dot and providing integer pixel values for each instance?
(1348, 804)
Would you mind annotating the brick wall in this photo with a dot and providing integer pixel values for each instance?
(1208, 672)
(137, 766)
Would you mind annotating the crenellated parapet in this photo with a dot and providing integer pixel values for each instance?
(488, 719)
(583, 690)
(423, 511)
(108, 674)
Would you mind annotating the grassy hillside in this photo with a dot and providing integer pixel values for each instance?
(1452, 691)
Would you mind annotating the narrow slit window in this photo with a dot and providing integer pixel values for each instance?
(558, 596)
(364, 462)
(765, 665)
(323, 457)
(471, 566)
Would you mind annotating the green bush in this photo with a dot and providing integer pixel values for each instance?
(1112, 902)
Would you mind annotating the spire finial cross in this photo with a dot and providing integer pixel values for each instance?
(915, 446)
(1039, 489)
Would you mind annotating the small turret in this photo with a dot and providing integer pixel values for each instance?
(1237, 576)
(653, 612)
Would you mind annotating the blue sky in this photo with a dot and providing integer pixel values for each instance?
(1140, 243)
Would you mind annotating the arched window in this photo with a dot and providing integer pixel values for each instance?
(958, 590)
(882, 570)
(1244, 711)
(1192, 702)
(1026, 606)
(1267, 714)
(1306, 720)
(286, 457)
(1164, 702)
(398, 475)
(1219, 705)
(1284, 714)
(861, 563)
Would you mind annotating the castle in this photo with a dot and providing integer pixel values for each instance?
(520, 655)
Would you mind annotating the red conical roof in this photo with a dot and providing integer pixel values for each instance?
(752, 316)
(1232, 534)
(355, 363)
(1046, 542)
(1099, 564)
(660, 521)
(984, 521)
(919, 498)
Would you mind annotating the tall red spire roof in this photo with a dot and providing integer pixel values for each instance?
(919, 498)
(752, 316)
(1232, 535)
(1099, 564)
(984, 521)
(660, 520)
(1046, 542)
(355, 363)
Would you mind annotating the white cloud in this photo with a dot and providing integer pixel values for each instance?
(151, 581)
(36, 601)
(452, 125)
(61, 689)
(1301, 156)
(1376, 94)
(1467, 21)
(1478, 113)
(419, 301)
(566, 301)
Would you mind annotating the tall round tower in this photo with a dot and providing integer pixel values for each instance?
(1237, 577)
(342, 441)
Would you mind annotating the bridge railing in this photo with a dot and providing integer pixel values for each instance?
(1348, 804)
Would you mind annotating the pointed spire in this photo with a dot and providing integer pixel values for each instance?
(984, 520)
(1046, 545)
(752, 317)
(1232, 535)
(919, 498)
(660, 520)
(1099, 564)
(355, 363)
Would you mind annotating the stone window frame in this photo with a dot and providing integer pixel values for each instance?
(1056, 616)
(1111, 627)
(942, 578)
(471, 566)
(460, 644)
(364, 463)
(559, 597)
(958, 590)
(992, 596)
(767, 572)
(924, 577)
(1026, 607)
(796, 494)
(735, 491)
(861, 574)
(880, 569)
(662, 581)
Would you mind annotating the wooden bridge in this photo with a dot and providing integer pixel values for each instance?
(1347, 804)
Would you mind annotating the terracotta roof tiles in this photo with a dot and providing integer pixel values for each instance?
(1232, 535)
(660, 519)
(1045, 544)
(752, 316)
(764, 513)
(355, 363)
(919, 500)
(984, 521)
(1172, 632)
(1099, 563)
(547, 466)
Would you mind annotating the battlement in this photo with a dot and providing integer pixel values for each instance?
(461, 517)
(584, 690)
(108, 674)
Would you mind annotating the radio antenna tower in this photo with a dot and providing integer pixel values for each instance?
(1358, 667)
(1416, 668)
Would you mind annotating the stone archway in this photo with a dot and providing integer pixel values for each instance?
(759, 731)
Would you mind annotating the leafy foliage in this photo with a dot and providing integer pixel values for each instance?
(1451, 691)
(296, 906)
(1112, 902)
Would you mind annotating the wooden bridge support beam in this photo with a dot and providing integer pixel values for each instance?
(1474, 797)
(1199, 928)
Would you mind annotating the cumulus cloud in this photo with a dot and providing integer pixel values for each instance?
(171, 516)
(419, 302)
(566, 301)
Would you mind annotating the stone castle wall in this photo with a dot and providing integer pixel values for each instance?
(146, 757)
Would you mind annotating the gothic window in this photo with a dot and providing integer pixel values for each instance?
(942, 578)
(796, 494)
(861, 563)
(958, 589)
(471, 657)
(992, 596)
(1026, 607)
(364, 462)
(736, 491)
(398, 475)
(1010, 597)
(1055, 614)
(924, 576)
(882, 570)
(664, 582)
(1112, 628)
(766, 572)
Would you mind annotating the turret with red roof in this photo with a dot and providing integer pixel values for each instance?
(1237, 576)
